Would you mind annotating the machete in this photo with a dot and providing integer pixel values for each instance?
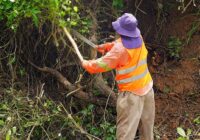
(84, 39)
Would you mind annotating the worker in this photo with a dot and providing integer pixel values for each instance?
(128, 56)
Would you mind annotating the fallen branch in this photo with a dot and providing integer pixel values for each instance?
(99, 83)
(88, 97)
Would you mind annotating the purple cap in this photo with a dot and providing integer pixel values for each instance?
(126, 25)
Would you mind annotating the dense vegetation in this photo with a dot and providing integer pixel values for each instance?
(44, 92)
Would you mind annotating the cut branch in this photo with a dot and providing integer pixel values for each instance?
(105, 90)
(99, 83)
(88, 97)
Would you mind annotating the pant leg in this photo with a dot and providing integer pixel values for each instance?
(148, 116)
(129, 111)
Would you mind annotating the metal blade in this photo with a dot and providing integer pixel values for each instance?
(84, 39)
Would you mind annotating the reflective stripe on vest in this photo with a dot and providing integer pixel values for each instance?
(128, 70)
(133, 78)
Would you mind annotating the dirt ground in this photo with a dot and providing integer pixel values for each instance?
(177, 84)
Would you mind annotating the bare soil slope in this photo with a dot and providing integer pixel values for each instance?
(179, 82)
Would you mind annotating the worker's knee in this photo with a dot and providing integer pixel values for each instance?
(147, 119)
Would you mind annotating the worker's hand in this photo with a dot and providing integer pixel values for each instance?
(101, 49)
(84, 63)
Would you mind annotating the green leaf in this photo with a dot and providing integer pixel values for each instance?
(2, 123)
(95, 131)
(73, 23)
(189, 132)
(91, 107)
(29, 124)
(1, 17)
(8, 135)
(75, 9)
(35, 20)
(4, 106)
(12, 60)
(197, 120)
(14, 129)
(22, 71)
(181, 132)
(181, 138)
(111, 130)
(109, 138)
(8, 6)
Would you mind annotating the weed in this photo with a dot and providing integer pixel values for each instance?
(183, 134)
(197, 120)
(194, 29)
(174, 47)
(104, 129)
(22, 117)
(166, 89)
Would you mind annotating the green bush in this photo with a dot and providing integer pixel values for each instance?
(102, 128)
(174, 47)
(59, 12)
(118, 4)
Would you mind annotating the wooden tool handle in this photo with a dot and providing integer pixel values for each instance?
(73, 44)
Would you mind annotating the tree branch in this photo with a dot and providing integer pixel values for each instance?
(88, 97)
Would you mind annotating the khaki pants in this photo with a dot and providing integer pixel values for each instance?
(130, 109)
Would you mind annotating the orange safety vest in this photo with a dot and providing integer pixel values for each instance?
(135, 75)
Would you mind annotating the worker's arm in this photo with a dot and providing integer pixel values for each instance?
(103, 48)
(115, 57)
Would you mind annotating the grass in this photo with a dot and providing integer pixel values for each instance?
(192, 31)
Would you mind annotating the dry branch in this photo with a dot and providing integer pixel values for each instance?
(105, 90)
(88, 97)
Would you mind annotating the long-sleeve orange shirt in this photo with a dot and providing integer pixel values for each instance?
(115, 57)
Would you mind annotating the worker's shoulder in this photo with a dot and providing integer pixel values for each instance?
(119, 48)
